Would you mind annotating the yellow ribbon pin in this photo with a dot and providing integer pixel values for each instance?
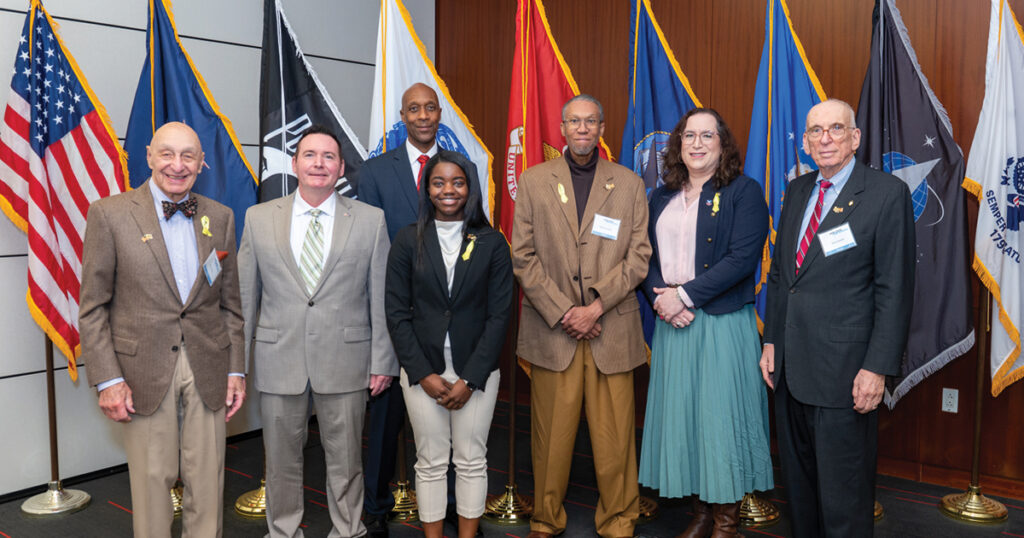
(469, 248)
(714, 204)
(205, 221)
(561, 194)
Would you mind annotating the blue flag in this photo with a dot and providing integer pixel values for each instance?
(786, 90)
(171, 89)
(659, 95)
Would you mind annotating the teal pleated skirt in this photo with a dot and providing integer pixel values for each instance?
(706, 427)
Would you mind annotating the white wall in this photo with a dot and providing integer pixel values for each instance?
(107, 38)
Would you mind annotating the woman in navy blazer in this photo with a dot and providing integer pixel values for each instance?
(706, 426)
(448, 297)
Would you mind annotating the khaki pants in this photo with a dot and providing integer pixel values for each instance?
(154, 459)
(555, 402)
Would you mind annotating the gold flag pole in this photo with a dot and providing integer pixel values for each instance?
(971, 505)
(511, 508)
(56, 499)
(254, 503)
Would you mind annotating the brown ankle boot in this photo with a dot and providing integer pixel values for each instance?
(727, 520)
(702, 522)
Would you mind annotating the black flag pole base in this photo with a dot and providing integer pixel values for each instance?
(405, 503)
(509, 508)
(55, 500)
(756, 512)
(973, 507)
(879, 512)
(648, 509)
(253, 503)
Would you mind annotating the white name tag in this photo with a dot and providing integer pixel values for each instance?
(211, 267)
(837, 239)
(605, 227)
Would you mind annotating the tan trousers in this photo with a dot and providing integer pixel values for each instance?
(154, 459)
(555, 402)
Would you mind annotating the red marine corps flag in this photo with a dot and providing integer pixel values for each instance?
(541, 84)
(58, 154)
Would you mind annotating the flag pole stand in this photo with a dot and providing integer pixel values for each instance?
(511, 508)
(56, 499)
(405, 497)
(177, 492)
(971, 506)
(879, 511)
(254, 503)
(756, 512)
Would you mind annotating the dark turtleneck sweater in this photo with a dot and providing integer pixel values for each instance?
(582, 180)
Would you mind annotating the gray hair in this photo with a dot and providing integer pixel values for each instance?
(584, 97)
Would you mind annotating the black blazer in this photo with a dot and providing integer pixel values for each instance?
(850, 310)
(386, 181)
(420, 311)
(728, 248)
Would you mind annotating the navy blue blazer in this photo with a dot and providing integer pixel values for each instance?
(386, 181)
(728, 249)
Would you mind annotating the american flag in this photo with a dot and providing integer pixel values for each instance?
(58, 154)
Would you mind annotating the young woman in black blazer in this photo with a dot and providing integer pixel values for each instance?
(448, 300)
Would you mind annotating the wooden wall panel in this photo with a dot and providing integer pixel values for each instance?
(718, 45)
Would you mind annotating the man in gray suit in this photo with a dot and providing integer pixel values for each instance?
(311, 270)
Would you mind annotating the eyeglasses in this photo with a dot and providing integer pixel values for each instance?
(689, 137)
(837, 132)
(574, 123)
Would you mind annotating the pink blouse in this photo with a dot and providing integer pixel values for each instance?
(677, 234)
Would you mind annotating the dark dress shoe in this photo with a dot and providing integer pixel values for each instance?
(376, 526)
(538, 534)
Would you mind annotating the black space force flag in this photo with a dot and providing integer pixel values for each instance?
(905, 131)
(292, 99)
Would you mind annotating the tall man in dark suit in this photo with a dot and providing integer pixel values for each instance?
(579, 250)
(391, 182)
(311, 268)
(839, 301)
(161, 326)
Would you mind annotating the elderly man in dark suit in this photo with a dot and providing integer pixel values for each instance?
(161, 325)
(839, 300)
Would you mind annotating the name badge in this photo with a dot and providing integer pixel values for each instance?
(605, 227)
(211, 267)
(837, 239)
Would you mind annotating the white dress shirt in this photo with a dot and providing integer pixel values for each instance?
(301, 218)
(414, 155)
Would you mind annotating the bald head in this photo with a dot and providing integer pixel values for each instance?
(421, 114)
(175, 157)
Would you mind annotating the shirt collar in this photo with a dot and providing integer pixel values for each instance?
(415, 152)
(841, 177)
(301, 207)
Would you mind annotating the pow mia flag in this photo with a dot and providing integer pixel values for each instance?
(906, 132)
(292, 99)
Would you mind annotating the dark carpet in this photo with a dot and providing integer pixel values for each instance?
(910, 507)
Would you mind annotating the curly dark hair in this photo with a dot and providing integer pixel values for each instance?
(730, 164)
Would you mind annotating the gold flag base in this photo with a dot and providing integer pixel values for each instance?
(405, 503)
(648, 509)
(509, 508)
(879, 511)
(253, 503)
(55, 500)
(973, 507)
(176, 492)
(756, 512)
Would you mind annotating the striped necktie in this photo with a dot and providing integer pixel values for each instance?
(812, 226)
(311, 261)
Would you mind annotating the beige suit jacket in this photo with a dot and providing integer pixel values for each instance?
(335, 337)
(131, 318)
(552, 254)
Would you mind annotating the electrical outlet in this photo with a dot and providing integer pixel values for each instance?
(950, 400)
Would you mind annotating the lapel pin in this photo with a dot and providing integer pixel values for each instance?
(561, 194)
(609, 186)
(205, 221)
(147, 238)
(837, 209)
(714, 204)
(850, 204)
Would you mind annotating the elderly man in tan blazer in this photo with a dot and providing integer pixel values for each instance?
(579, 249)
(161, 326)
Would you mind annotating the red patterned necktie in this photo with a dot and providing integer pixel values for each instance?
(812, 226)
(187, 208)
(422, 159)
